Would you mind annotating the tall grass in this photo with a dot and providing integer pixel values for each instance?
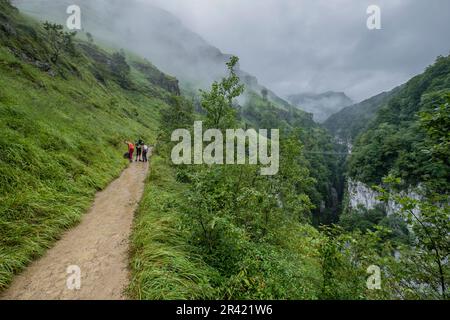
(164, 266)
(61, 140)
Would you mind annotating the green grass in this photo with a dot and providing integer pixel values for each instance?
(163, 265)
(61, 141)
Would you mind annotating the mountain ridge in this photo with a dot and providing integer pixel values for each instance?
(395, 139)
(348, 123)
(321, 105)
(162, 39)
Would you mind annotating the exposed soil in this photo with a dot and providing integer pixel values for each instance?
(98, 246)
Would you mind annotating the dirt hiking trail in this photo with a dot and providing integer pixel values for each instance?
(98, 246)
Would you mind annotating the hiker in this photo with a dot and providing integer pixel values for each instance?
(130, 150)
(145, 153)
(139, 145)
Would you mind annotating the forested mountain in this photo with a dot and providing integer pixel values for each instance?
(207, 231)
(161, 38)
(403, 146)
(396, 142)
(348, 123)
(152, 33)
(65, 109)
(322, 106)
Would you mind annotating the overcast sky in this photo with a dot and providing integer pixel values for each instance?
(296, 46)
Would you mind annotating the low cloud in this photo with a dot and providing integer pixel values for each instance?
(297, 46)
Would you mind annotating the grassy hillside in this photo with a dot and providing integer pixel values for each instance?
(63, 126)
(169, 261)
(225, 232)
(205, 232)
(139, 27)
(164, 265)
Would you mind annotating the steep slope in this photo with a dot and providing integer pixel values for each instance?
(162, 38)
(348, 123)
(395, 142)
(322, 105)
(159, 36)
(153, 33)
(63, 126)
(143, 28)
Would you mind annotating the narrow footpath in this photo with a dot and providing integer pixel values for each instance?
(97, 248)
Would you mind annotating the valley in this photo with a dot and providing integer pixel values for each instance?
(350, 180)
(322, 106)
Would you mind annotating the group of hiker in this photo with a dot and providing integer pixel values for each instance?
(140, 148)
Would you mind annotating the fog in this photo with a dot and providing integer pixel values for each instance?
(291, 46)
(296, 46)
(143, 29)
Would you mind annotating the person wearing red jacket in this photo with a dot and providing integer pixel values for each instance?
(130, 150)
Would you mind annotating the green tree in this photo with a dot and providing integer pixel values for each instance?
(90, 37)
(121, 69)
(264, 93)
(59, 40)
(424, 267)
(345, 258)
(218, 102)
(436, 123)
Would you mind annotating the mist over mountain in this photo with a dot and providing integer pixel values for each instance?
(143, 28)
(369, 186)
(348, 123)
(323, 105)
(150, 32)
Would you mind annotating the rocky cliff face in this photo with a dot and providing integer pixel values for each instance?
(158, 78)
(360, 194)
